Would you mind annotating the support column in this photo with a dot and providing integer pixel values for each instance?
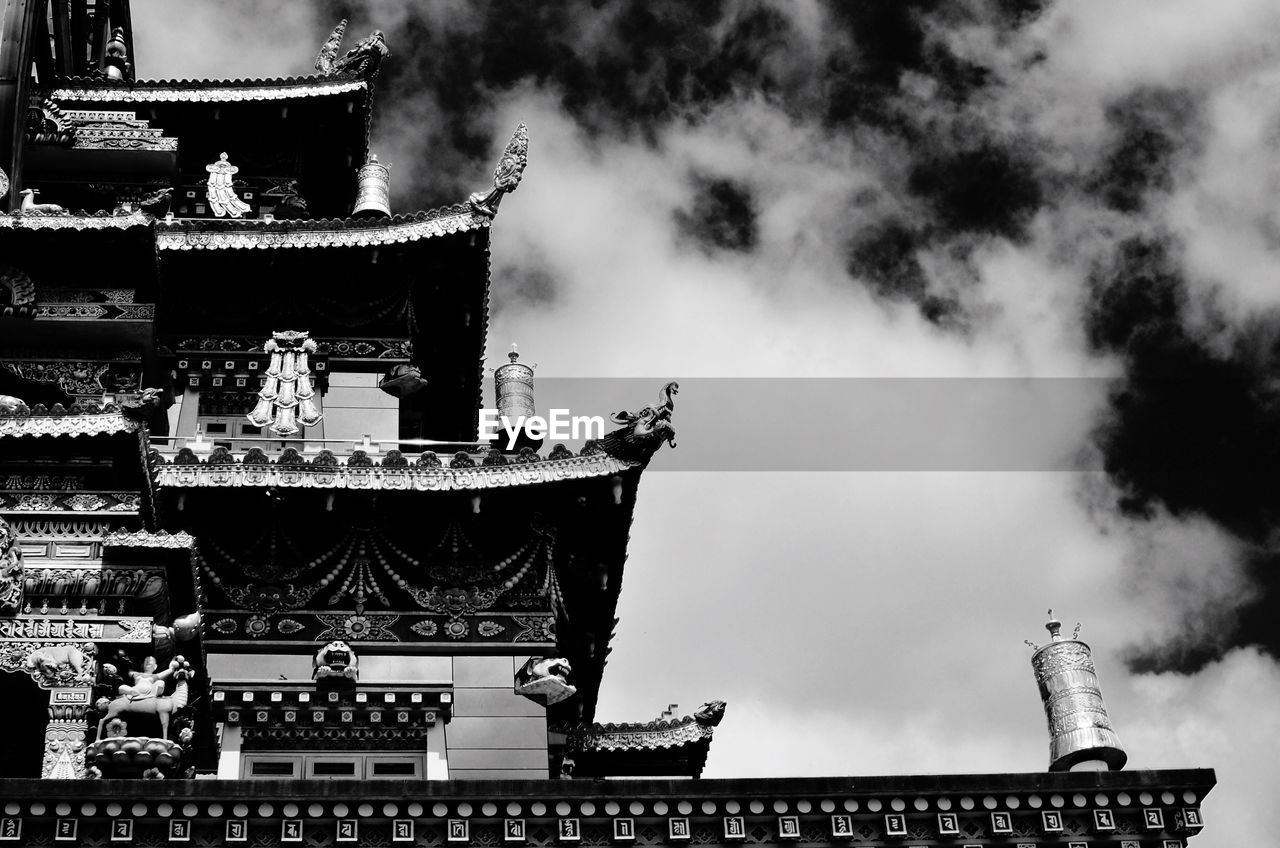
(64, 737)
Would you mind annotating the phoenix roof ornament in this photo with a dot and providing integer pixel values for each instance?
(507, 175)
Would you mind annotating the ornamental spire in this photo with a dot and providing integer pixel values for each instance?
(507, 175)
(329, 50)
(286, 399)
(1080, 734)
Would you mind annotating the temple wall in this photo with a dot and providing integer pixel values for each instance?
(492, 733)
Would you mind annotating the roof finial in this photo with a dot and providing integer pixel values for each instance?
(1054, 627)
(515, 352)
(115, 56)
(328, 56)
(506, 176)
(1080, 732)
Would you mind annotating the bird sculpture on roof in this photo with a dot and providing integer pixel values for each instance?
(29, 204)
(221, 192)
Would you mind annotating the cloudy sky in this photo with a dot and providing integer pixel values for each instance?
(1038, 194)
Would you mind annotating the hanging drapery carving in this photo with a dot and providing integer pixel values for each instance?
(287, 397)
(220, 189)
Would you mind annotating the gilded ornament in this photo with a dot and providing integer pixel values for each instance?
(220, 189)
(287, 398)
(12, 572)
(144, 695)
(507, 175)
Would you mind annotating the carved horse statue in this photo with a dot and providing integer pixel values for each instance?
(162, 706)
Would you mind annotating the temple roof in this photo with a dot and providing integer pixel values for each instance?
(108, 421)
(466, 470)
(96, 90)
(203, 234)
(675, 746)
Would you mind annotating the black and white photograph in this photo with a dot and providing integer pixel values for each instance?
(637, 422)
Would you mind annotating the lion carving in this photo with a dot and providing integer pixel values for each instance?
(336, 661)
(545, 678)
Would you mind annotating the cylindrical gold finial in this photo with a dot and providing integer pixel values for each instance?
(374, 196)
(1080, 732)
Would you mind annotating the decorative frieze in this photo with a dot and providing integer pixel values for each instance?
(69, 221)
(95, 629)
(262, 235)
(99, 424)
(293, 471)
(528, 630)
(145, 539)
(85, 503)
(86, 379)
(166, 91)
(974, 809)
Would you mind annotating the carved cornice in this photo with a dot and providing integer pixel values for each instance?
(410, 478)
(66, 425)
(84, 503)
(337, 232)
(205, 91)
(143, 539)
(68, 221)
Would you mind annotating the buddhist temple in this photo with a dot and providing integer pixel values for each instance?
(262, 581)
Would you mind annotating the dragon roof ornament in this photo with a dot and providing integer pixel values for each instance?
(644, 431)
(507, 175)
(362, 59)
(287, 397)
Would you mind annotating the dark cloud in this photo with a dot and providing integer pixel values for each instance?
(722, 216)
(885, 256)
(1154, 131)
(1193, 429)
(1190, 430)
(991, 189)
